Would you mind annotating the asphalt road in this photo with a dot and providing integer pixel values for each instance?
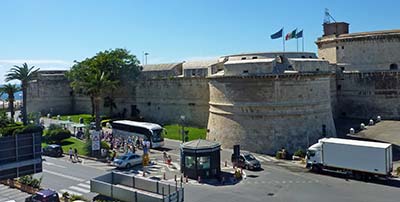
(276, 182)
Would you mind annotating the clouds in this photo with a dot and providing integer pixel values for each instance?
(43, 64)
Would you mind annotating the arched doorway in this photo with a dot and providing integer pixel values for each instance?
(393, 66)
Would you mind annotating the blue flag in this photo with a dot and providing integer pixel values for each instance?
(299, 34)
(277, 35)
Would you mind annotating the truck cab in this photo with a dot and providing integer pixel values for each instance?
(314, 155)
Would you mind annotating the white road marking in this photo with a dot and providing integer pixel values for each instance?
(263, 158)
(53, 164)
(82, 190)
(64, 176)
(70, 192)
(87, 186)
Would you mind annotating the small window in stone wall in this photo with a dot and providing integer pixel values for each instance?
(342, 47)
(303, 56)
(337, 47)
(342, 68)
(255, 57)
(243, 58)
(192, 104)
(149, 104)
(393, 66)
(245, 71)
(339, 87)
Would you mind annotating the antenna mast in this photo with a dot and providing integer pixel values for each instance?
(328, 17)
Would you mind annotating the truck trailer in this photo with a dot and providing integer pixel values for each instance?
(359, 158)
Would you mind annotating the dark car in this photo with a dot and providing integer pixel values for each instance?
(53, 150)
(45, 195)
(246, 161)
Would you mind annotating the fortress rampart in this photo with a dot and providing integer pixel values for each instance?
(166, 100)
(262, 101)
(369, 94)
(266, 113)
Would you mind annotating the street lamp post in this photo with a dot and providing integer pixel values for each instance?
(183, 128)
(145, 57)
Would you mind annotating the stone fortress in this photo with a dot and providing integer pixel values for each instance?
(262, 101)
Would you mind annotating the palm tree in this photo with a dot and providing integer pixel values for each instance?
(24, 74)
(10, 90)
(109, 102)
(95, 83)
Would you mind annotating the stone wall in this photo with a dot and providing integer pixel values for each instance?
(264, 114)
(375, 53)
(49, 93)
(165, 100)
(367, 95)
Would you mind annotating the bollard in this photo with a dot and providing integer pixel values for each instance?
(164, 177)
(226, 163)
(199, 179)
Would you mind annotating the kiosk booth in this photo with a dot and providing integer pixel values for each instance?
(200, 158)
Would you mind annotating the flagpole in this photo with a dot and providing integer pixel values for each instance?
(297, 44)
(302, 38)
(283, 39)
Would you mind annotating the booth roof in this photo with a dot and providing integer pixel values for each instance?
(200, 144)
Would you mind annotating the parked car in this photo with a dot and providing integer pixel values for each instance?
(127, 160)
(246, 161)
(53, 150)
(45, 195)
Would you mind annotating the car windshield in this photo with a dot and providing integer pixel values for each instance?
(249, 157)
(158, 135)
(121, 157)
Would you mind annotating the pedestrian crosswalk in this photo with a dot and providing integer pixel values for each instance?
(97, 164)
(7, 193)
(78, 189)
(265, 158)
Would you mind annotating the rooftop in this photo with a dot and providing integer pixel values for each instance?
(385, 131)
(199, 64)
(360, 35)
(160, 67)
(200, 144)
(356, 142)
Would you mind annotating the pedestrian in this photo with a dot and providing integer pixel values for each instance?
(165, 157)
(113, 156)
(76, 155)
(70, 153)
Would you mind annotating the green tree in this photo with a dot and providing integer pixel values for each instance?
(10, 90)
(95, 83)
(24, 74)
(118, 64)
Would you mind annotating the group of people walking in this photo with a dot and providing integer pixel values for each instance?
(73, 155)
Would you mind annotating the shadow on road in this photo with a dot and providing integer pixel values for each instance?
(392, 182)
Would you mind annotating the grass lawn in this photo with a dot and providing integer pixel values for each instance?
(74, 143)
(75, 118)
(173, 132)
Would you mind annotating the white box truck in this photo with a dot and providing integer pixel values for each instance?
(360, 158)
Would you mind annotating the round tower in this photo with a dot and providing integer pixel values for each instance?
(268, 103)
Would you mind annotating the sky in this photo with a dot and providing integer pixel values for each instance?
(51, 34)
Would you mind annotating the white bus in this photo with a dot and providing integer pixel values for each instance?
(148, 131)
